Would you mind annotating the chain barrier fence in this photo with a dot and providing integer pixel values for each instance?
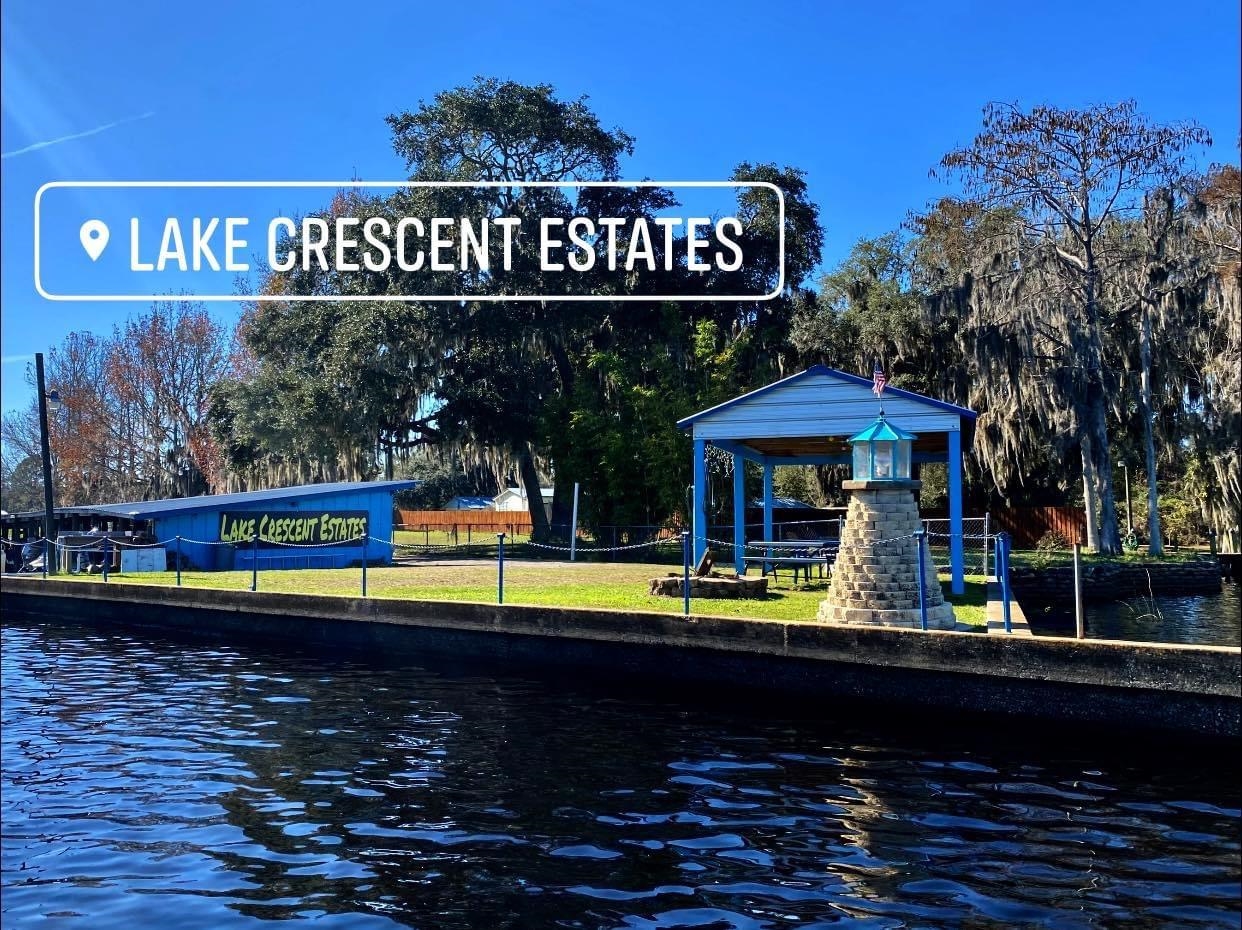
(32, 557)
(658, 544)
(768, 554)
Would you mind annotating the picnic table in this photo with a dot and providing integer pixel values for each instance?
(794, 554)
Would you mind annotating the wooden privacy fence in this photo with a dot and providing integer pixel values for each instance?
(1027, 525)
(485, 518)
(460, 526)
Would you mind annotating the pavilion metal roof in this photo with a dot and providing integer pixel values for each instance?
(807, 416)
(821, 370)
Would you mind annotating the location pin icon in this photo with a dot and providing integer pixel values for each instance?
(94, 236)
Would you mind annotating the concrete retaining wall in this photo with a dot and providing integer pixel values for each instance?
(1192, 690)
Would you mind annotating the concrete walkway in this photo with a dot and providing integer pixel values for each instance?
(996, 612)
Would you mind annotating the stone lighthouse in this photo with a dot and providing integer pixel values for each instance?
(875, 580)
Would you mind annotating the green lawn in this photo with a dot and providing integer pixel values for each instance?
(444, 536)
(560, 584)
(1037, 559)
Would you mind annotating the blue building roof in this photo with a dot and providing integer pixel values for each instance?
(823, 371)
(789, 502)
(472, 503)
(150, 510)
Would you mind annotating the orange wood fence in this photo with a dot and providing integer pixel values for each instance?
(510, 521)
(1027, 525)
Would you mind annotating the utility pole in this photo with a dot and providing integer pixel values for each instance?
(49, 515)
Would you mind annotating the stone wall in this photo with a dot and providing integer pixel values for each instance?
(1054, 586)
(875, 578)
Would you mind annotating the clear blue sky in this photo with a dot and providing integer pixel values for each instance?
(864, 97)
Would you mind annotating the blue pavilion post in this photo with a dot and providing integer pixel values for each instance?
(1002, 562)
(957, 544)
(699, 524)
(768, 500)
(922, 540)
(739, 514)
(685, 572)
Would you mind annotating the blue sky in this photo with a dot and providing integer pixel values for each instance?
(864, 97)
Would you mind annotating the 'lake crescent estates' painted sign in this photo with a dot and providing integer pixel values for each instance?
(294, 527)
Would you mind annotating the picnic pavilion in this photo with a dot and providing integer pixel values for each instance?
(805, 419)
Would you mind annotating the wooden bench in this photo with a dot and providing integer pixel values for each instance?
(794, 554)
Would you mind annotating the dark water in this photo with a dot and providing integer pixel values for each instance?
(161, 782)
(1206, 621)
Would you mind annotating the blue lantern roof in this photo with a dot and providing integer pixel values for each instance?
(881, 431)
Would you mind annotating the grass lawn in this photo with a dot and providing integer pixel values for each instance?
(443, 536)
(617, 586)
(1037, 559)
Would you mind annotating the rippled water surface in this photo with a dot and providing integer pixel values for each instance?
(164, 782)
(1204, 620)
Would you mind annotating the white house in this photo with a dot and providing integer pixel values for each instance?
(514, 499)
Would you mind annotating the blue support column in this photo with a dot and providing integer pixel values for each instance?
(1002, 570)
(957, 545)
(699, 524)
(768, 498)
(922, 537)
(685, 572)
(739, 514)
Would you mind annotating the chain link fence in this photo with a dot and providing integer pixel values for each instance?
(977, 548)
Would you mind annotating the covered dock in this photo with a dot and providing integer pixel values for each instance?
(805, 419)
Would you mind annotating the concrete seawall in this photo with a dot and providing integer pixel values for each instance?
(1188, 690)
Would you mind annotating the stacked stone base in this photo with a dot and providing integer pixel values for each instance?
(875, 580)
(727, 586)
(939, 617)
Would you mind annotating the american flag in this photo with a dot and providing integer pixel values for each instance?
(878, 380)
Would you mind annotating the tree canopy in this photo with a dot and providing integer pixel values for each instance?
(1078, 286)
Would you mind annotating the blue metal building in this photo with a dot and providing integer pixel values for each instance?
(310, 526)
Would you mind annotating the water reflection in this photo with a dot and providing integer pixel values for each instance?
(151, 780)
(1213, 620)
